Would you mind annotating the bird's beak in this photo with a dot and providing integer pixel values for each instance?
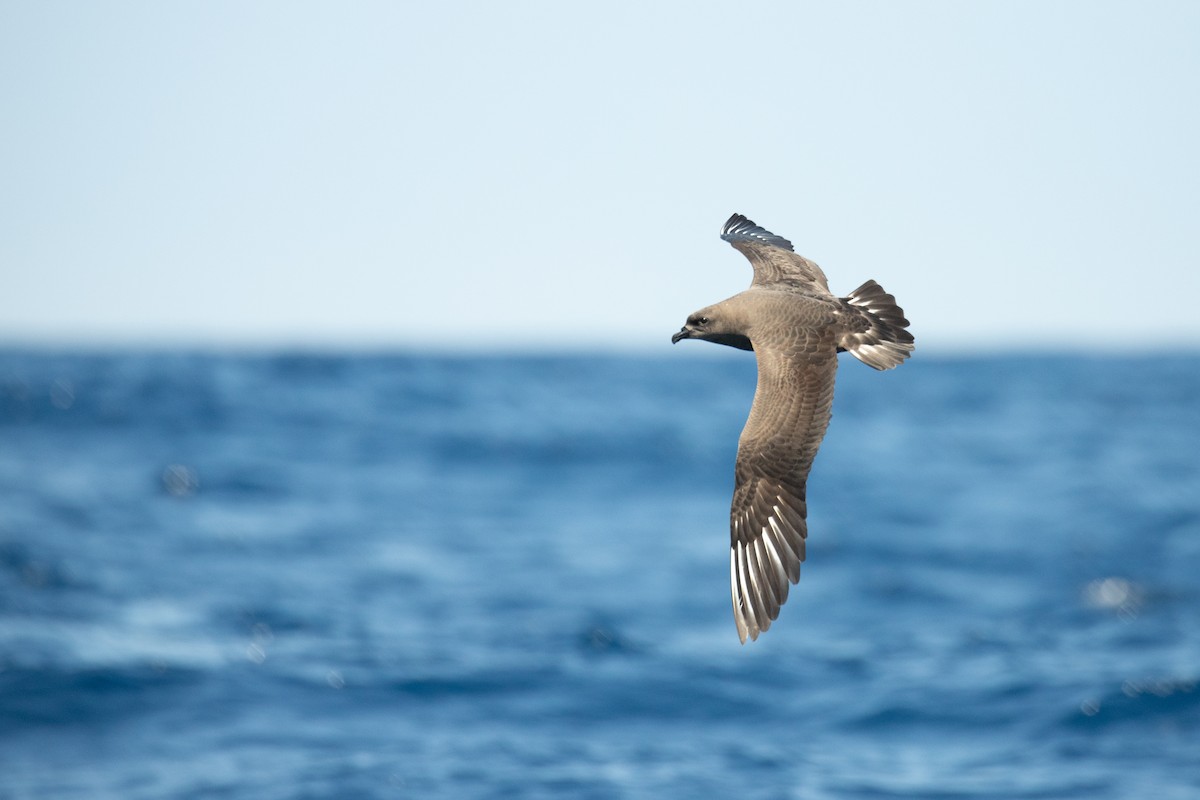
(684, 333)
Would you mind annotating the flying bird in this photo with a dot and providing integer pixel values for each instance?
(796, 327)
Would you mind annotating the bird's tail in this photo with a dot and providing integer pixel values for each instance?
(885, 343)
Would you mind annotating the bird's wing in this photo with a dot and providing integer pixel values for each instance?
(768, 518)
(772, 256)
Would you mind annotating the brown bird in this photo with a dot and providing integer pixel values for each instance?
(796, 327)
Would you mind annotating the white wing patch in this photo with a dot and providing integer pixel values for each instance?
(761, 571)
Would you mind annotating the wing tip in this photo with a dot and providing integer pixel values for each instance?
(885, 344)
(739, 228)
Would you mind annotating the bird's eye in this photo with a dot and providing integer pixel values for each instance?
(701, 320)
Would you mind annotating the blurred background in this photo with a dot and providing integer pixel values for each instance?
(343, 452)
(546, 175)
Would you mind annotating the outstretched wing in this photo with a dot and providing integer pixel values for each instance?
(772, 256)
(768, 525)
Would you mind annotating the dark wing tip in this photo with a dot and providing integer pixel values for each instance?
(739, 229)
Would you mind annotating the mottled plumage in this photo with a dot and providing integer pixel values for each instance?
(796, 327)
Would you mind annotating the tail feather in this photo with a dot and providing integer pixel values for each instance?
(882, 341)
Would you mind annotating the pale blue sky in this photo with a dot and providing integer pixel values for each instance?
(496, 174)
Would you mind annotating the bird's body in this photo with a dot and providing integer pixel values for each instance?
(796, 327)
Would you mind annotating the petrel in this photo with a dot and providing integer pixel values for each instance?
(796, 327)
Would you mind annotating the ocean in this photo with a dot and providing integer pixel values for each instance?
(292, 575)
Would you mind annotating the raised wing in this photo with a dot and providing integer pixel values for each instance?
(772, 256)
(768, 517)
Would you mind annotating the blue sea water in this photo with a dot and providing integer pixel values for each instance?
(391, 576)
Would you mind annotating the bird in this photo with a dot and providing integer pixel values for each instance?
(796, 327)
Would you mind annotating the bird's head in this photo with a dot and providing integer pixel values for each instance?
(715, 324)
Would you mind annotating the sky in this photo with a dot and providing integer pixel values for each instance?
(555, 175)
